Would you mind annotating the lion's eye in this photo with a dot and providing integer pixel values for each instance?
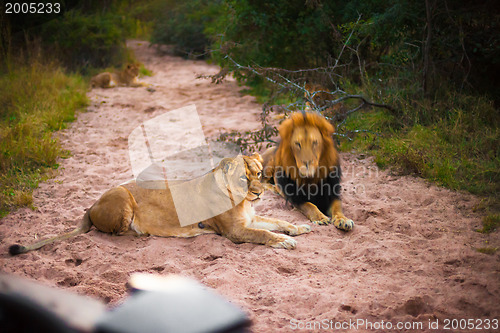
(297, 144)
(315, 143)
(259, 174)
(243, 178)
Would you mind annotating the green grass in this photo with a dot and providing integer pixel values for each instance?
(35, 101)
(454, 142)
(487, 250)
(490, 223)
(143, 71)
(451, 138)
(464, 161)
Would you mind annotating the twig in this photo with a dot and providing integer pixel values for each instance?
(347, 42)
(278, 78)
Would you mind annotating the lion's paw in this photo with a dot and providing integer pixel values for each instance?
(287, 243)
(303, 229)
(343, 223)
(298, 230)
(321, 221)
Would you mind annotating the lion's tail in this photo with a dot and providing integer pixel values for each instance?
(82, 228)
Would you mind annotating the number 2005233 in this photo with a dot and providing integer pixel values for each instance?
(32, 8)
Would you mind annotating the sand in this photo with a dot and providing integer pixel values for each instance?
(411, 257)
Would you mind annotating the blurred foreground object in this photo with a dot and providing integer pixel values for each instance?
(157, 304)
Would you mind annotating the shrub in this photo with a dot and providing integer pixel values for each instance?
(182, 25)
(82, 41)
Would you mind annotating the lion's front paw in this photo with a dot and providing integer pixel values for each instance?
(321, 220)
(343, 223)
(298, 230)
(286, 242)
(303, 229)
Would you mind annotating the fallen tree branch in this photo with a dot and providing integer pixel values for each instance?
(303, 98)
(216, 78)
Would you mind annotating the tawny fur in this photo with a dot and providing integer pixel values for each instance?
(132, 209)
(306, 154)
(127, 77)
(322, 99)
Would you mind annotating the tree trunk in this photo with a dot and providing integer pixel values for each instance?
(427, 47)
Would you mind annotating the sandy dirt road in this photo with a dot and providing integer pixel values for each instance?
(411, 258)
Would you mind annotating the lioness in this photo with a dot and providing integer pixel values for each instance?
(127, 77)
(305, 169)
(132, 209)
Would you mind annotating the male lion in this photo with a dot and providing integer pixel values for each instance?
(127, 77)
(305, 169)
(133, 209)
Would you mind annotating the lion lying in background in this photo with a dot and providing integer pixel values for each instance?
(127, 77)
(132, 209)
(322, 99)
(305, 169)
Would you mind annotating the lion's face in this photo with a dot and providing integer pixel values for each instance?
(253, 174)
(241, 177)
(306, 144)
(132, 70)
(306, 150)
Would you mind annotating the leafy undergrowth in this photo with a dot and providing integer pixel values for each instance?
(36, 101)
(454, 142)
(452, 139)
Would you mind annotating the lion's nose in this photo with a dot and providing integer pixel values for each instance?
(307, 169)
(307, 164)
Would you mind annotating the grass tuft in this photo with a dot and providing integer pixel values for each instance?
(490, 223)
(487, 250)
(143, 71)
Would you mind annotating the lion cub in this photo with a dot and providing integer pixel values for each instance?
(127, 77)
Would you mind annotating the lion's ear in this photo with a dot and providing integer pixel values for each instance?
(257, 157)
(327, 128)
(225, 164)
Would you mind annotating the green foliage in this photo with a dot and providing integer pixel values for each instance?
(38, 99)
(446, 130)
(450, 137)
(487, 250)
(387, 38)
(286, 34)
(459, 150)
(83, 36)
(143, 71)
(83, 41)
(182, 25)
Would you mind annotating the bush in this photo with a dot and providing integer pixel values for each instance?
(182, 25)
(82, 41)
